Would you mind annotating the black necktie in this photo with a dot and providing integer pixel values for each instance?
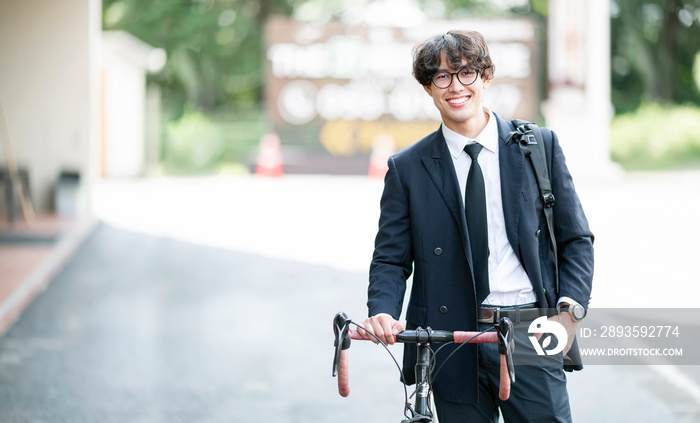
(475, 207)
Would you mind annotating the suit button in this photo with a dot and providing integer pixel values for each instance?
(443, 309)
(537, 234)
(437, 251)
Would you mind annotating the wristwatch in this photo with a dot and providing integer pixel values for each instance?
(576, 311)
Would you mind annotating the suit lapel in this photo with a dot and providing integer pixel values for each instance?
(511, 162)
(441, 170)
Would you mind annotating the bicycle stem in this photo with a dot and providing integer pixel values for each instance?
(422, 379)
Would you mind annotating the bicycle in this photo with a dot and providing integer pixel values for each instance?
(420, 412)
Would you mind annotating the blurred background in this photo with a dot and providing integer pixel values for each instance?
(180, 165)
(129, 89)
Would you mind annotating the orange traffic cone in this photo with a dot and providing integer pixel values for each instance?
(270, 156)
(382, 149)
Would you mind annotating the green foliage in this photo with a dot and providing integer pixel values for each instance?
(657, 136)
(212, 83)
(214, 47)
(540, 7)
(654, 45)
(198, 143)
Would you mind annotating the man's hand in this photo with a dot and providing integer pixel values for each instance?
(569, 324)
(382, 325)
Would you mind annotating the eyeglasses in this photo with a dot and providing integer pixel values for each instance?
(466, 76)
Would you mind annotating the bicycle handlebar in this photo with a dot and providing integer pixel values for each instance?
(504, 337)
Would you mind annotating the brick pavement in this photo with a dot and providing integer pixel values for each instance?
(30, 254)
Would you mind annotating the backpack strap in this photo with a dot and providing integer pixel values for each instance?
(529, 138)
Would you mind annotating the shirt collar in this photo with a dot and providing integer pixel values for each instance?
(488, 137)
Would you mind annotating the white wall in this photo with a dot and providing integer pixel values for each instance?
(124, 102)
(48, 81)
(125, 60)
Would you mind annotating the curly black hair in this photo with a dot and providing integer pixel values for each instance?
(457, 46)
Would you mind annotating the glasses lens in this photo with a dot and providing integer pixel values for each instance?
(442, 79)
(467, 76)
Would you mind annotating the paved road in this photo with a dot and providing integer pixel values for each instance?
(140, 328)
(206, 301)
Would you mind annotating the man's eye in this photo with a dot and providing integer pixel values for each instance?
(441, 76)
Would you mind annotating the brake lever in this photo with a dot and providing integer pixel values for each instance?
(506, 345)
(342, 338)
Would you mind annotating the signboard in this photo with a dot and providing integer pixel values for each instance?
(338, 88)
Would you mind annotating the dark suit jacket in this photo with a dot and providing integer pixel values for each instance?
(423, 231)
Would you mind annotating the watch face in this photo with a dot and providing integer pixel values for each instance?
(578, 311)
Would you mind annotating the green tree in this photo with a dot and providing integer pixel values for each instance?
(214, 47)
(654, 46)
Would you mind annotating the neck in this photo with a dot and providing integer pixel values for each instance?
(472, 127)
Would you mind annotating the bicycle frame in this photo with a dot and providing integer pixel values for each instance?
(423, 338)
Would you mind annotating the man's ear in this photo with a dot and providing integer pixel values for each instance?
(428, 89)
(487, 82)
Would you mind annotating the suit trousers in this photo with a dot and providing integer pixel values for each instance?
(539, 393)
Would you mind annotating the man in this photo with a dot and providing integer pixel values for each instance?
(466, 270)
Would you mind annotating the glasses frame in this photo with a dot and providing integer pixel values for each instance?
(453, 74)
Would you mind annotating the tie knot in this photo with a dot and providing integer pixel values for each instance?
(473, 150)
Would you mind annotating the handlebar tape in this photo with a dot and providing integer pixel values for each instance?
(478, 337)
(504, 385)
(343, 374)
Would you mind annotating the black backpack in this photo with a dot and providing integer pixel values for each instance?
(529, 138)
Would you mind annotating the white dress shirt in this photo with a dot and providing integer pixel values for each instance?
(508, 281)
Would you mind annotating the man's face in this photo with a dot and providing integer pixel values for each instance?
(458, 104)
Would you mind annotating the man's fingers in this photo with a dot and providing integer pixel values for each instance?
(365, 330)
(387, 331)
(384, 327)
(372, 326)
(378, 332)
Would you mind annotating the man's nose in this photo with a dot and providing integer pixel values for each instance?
(456, 85)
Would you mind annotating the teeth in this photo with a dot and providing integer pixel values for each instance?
(457, 100)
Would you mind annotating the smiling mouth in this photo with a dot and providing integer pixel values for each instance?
(458, 101)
